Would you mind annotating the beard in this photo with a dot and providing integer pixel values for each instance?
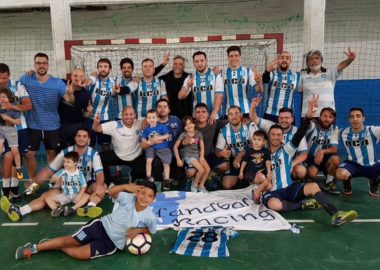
(316, 68)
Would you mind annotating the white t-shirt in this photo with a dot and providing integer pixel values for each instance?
(125, 140)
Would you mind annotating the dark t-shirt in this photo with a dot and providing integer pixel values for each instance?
(209, 133)
(256, 160)
(177, 107)
(73, 113)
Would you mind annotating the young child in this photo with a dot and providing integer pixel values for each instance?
(103, 237)
(257, 165)
(156, 135)
(193, 154)
(73, 186)
(8, 131)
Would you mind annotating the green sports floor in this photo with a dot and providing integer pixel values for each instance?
(318, 246)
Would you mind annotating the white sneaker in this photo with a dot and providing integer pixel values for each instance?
(203, 190)
(193, 189)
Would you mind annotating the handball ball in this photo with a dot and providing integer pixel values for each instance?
(140, 244)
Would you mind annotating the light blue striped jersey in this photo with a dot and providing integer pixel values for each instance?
(147, 94)
(202, 242)
(89, 163)
(122, 101)
(101, 92)
(321, 84)
(19, 93)
(45, 99)
(281, 161)
(205, 87)
(361, 146)
(236, 84)
(266, 124)
(281, 88)
(72, 183)
(236, 141)
(318, 139)
(126, 217)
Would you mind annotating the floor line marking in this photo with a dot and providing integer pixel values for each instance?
(74, 223)
(19, 224)
(367, 220)
(301, 220)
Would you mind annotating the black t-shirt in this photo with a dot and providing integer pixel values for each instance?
(73, 113)
(179, 108)
(256, 160)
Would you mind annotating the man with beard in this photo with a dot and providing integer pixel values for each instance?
(206, 87)
(174, 80)
(236, 82)
(89, 164)
(285, 119)
(360, 142)
(321, 81)
(287, 195)
(101, 88)
(233, 141)
(322, 140)
(45, 92)
(22, 104)
(281, 82)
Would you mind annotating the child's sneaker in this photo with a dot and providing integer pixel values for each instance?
(19, 174)
(89, 211)
(194, 189)
(166, 184)
(31, 189)
(202, 190)
(25, 251)
(68, 211)
(57, 212)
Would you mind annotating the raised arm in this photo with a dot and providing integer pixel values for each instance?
(115, 190)
(252, 111)
(351, 55)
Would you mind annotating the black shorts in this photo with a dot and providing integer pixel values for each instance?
(322, 166)
(23, 142)
(93, 233)
(292, 193)
(49, 137)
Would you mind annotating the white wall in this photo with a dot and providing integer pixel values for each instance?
(24, 34)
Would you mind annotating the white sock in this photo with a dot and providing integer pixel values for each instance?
(91, 204)
(25, 209)
(329, 178)
(6, 182)
(14, 182)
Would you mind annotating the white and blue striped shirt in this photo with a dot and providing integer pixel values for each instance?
(19, 93)
(236, 84)
(147, 94)
(236, 141)
(122, 101)
(318, 139)
(101, 92)
(72, 183)
(281, 88)
(281, 162)
(361, 146)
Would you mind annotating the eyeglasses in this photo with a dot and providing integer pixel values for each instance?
(41, 63)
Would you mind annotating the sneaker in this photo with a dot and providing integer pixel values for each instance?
(68, 211)
(341, 217)
(373, 188)
(13, 211)
(89, 211)
(31, 189)
(166, 184)
(330, 188)
(19, 174)
(57, 212)
(202, 190)
(256, 198)
(310, 204)
(347, 187)
(194, 189)
(25, 251)
(150, 179)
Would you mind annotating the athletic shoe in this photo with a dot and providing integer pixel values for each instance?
(13, 211)
(150, 179)
(330, 188)
(202, 190)
(310, 204)
(194, 189)
(25, 251)
(341, 217)
(19, 174)
(31, 189)
(166, 184)
(373, 188)
(347, 187)
(68, 211)
(57, 212)
(89, 211)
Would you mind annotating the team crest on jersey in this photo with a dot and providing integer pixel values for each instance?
(141, 225)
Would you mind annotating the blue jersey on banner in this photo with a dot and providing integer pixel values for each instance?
(202, 242)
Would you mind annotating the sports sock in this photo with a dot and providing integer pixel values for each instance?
(290, 206)
(91, 204)
(329, 178)
(324, 201)
(6, 182)
(25, 209)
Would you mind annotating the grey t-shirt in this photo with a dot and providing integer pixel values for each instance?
(191, 150)
(209, 133)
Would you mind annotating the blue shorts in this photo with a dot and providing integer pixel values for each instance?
(357, 170)
(292, 193)
(189, 160)
(23, 142)
(93, 233)
(214, 161)
(321, 167)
